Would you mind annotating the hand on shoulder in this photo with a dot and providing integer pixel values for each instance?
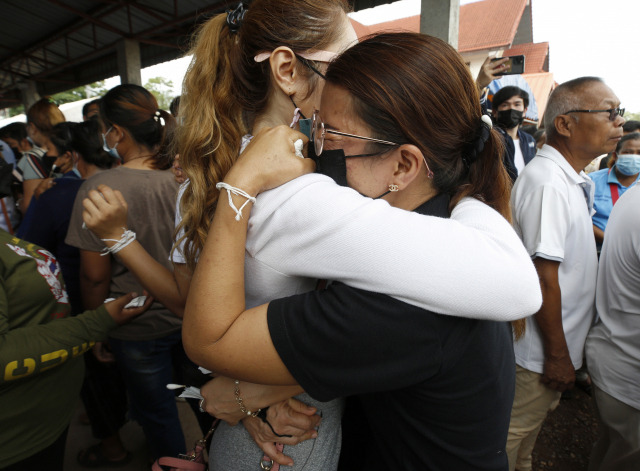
(269, 161)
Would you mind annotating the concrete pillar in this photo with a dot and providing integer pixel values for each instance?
(129, 61)
(29, 92)
(441, 18)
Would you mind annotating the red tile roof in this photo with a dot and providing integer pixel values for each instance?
(542, 85)
(490, 24)
(487, 24)
(535, 54)
(360, 29)
(411, 24)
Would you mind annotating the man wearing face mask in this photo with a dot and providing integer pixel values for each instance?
(509, 105)
(15, 136)
(612, 182)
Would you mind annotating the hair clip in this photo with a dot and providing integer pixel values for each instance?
(475, 148)
(235, 17)
(158, 117)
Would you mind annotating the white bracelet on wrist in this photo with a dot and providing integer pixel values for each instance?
(126, 238)
(236, 191)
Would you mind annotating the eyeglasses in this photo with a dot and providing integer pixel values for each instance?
(307, 64)
(305, 57)
(613, 112)
(320, 56)
(318, 132)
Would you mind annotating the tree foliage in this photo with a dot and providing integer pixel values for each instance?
(162, 89)
(95, 89)
(632, 116)
(14, 111)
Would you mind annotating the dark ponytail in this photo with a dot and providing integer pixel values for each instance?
(61, 136)
(85, 140)
(136, 110)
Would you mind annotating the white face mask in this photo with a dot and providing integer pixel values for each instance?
(112, 151)
(628, 164)
(74, 160)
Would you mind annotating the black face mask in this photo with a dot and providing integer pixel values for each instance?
(332, 163)
(509, 119)
(48, 161)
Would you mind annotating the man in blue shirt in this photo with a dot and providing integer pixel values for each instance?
(611, 183)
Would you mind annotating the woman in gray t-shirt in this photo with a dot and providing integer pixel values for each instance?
(136, 132)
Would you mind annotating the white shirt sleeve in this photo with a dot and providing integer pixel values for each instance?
(472, 265)
(542, 216)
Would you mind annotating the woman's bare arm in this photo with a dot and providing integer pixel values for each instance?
(220, 400)
(217, 331)
(105, 214)
(95, 278)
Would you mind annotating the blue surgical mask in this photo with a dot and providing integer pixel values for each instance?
(74, 160)
(305, 126)
(112, 151)
(628, 164)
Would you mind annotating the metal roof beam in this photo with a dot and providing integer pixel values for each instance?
(181, 19)
(88, 18)
(75, 26)
(152, 12)
(158, 43)
(86, 34)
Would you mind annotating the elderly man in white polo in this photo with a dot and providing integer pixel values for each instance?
(552, 203)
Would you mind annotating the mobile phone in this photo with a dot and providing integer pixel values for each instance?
(515, 65)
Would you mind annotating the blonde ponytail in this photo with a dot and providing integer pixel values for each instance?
(225, 89)
(211, 124)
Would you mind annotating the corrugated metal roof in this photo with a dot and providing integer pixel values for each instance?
(61, 44)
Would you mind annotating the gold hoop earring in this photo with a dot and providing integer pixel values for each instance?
(393, 188)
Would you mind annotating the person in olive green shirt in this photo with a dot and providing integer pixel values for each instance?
(41, 347)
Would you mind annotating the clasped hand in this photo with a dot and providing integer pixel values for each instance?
(269, 161)
(289, 417)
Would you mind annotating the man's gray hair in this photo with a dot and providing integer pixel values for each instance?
(564, 98)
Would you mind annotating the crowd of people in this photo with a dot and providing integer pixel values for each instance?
(415, 294)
